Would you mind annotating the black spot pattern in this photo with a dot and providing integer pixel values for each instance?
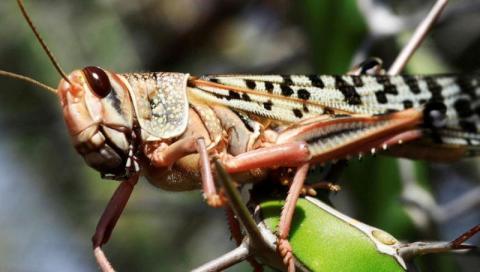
(268, 105)
(246, 97)
(434, 88)
(250, 84)
(412, 84)
(348, 91)
(286, 90)
(232, 95)
(316, 81)
(214, 80)
(463, 103)
(407, 104)
(463, 108)
(269, 86)
(287, 80)
(388, 87)
(465, 83)
(305, 108)
(298, 113)
(303, 94)
(381, 97)
(357, 81)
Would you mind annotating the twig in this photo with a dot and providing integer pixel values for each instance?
(408, 251)
(227, 260)
(417, 38)
(237, 205)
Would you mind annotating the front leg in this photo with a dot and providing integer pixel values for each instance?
(165, 156)
(108, 220)
(209, 189)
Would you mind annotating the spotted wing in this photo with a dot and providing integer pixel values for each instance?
(292, 98)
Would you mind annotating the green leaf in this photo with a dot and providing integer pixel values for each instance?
(323, 242)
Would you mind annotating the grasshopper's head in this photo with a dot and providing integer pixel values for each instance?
(98, 112)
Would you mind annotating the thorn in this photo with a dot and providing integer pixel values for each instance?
(384, 146)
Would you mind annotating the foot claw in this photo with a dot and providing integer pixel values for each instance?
(335, 188)
(311, 192)
(285, 250)
(304, 190)
(216, 200)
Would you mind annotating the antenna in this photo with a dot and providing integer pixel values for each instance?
(44, 46)
(27, 79)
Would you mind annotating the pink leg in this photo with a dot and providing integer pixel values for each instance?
(288, 154)
(209, 190)
(166, 155)
(109, 218)
(287, 215)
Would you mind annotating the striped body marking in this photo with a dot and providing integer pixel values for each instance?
(294, 98)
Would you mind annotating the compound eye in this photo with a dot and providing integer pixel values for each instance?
(98, 80)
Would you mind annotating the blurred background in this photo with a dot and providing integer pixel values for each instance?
(50, 200)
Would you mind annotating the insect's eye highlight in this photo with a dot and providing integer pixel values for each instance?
(98, 80)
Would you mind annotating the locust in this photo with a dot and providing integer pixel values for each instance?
(167, 126)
